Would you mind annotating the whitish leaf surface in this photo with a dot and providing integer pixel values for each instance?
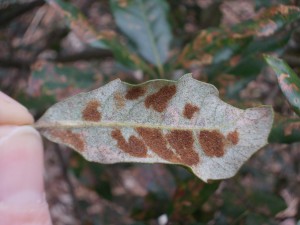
(181, 122)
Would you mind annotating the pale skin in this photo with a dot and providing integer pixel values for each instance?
(22, 194)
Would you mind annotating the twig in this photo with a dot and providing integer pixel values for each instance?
(30, 32)
(15, 63)
(11, 12)
(88, 54)
(64, 168)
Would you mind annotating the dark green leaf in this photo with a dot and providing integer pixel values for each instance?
(241, 203)
(263, 3)
(222, 48)
(105, 39)
(285, 131)
(189, 199)
(248, 66)
(79, 24)
(233, 91)
(272, 202)
(60, 81)
(145, 24)
(255, 218)
(288, 81)
(36, 104)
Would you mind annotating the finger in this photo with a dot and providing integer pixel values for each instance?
(22, 197)
(12, 112)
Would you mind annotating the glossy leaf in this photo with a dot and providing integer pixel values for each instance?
(105, 39)
(218, 45)
(288, 81)
(145, 23)
(163, 121)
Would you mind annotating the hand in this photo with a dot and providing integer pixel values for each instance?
(22, 195)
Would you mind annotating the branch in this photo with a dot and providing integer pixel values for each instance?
(88, 54)
(15, 63)
(64, 168)
(13, 11)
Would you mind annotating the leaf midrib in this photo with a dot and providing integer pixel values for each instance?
(151, 37)
(84, 124)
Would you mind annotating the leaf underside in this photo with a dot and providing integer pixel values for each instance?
(160, 121)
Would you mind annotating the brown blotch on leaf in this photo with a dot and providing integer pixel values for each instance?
(233, 137)
(135, 93)
(123, 3)
(159, 100)
(90, 112)
(291, 127)
(183, 143)
(190, 110)
(205, 59)
(134, 147)
(155, 140)
(70, 138)
(119, 100)
(212, 143)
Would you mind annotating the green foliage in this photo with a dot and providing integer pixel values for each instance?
(107, 39)
(145, 24)
(79, 24)
(244, 207)
(166, 39)
(285, 130)
(263, 3)
(288, 81)
(58, 80)
(237, 50)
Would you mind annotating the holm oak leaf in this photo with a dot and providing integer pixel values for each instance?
(178, 122)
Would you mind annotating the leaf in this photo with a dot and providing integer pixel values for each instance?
(228, 45)
(189, 199)
(271, 201)
(60, 80)
(265, 4)
(105, 39)
(162, 121)
(79, 24)
(146, 25)
(288, 81)
(285, 131)
(233, 91)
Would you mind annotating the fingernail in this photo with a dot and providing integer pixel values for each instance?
(12, 112)
(21, 165)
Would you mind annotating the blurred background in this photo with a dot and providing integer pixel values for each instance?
(55, 49)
